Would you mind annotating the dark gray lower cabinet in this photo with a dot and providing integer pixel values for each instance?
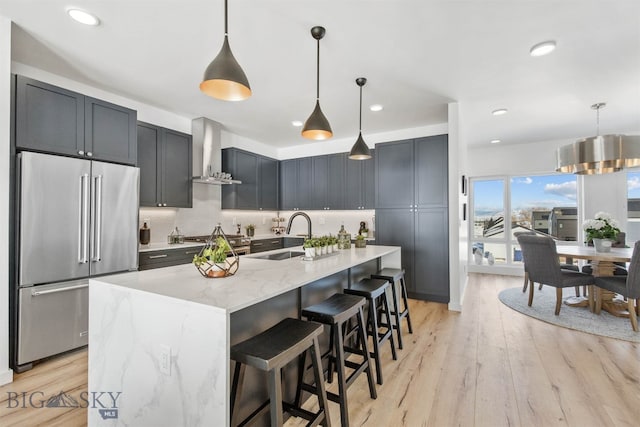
(148, 260)
(423, 236)
(165, 162)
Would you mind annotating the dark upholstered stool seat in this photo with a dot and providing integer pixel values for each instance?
(270, 351)
(335, 311)
(396, 275)
(375, 291)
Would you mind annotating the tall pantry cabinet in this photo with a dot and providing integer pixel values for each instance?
(412, 211)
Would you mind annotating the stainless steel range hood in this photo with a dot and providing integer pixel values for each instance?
(207, 140)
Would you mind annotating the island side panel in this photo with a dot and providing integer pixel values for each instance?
(128, 330)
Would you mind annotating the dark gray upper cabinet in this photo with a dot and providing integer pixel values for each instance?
(109, 132)
(431, 177)
(296, 184)
(259, 176)
(288, 184)
(304, 195)
(149, 161)
(395, 174)
(360, 183)
(268, 184)
(59, 121)
(165, 161)
(177, 176)
(335, 183)
(320, 183)
(48, 118)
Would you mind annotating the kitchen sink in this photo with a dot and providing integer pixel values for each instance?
(280, 255)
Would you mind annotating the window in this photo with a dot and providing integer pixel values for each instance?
(633, 207)
(544, 203)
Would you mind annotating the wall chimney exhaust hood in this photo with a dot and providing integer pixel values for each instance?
(207, 140)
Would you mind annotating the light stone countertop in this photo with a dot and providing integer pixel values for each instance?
(256, 280)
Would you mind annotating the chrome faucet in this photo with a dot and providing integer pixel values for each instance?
(295, 215)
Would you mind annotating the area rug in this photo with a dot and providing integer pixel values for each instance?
(578, 318)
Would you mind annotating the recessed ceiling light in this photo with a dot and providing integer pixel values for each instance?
(543, 48)
(495, 141)
(499, 112)
(296, 123)
(83, 17)
(376, 107)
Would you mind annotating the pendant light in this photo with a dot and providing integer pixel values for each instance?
(224, 78)
(599, 154)
(317, 126)
(360, 151)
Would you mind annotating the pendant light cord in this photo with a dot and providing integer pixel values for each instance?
(360, 125)
(598, 121)
(225, 19)
(317, 73)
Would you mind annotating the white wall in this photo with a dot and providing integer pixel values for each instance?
(6, 375)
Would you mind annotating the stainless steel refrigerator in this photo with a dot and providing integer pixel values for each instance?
(76, 219)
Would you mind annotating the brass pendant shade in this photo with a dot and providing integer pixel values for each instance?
(224, 78)
(599, 154)
(317, 126)
(360, 150)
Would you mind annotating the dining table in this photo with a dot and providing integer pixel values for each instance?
(602, 264)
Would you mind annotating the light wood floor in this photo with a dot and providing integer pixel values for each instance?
(489, 366)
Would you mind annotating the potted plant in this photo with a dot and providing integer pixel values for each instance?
(360, 241)
(334, 242)
(213, 259)
(318, 246)
(251, 229)
(602, 231)
(309, 248)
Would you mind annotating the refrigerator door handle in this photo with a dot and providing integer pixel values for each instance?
(83, 223)
(96, 215)
(35, 293)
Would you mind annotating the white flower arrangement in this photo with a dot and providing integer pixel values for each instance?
(601, 227)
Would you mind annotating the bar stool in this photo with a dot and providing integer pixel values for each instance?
(270, 351)
(336, 311)
(375, 291)
(394, 275)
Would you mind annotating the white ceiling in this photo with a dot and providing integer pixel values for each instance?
(417, 56)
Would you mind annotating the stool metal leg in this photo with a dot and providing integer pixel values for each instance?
(385, 302)
(405, 299)
(317, 373)
(275, 392)
(396, 314)
(362, 336)
(342, 383)
(236, 391)
(373, 322)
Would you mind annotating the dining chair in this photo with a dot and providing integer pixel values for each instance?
(627, 286)
(562, 265)
(542, 264)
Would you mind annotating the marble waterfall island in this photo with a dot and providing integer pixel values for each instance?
(161, 337)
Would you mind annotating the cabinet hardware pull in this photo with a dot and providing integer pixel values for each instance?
(89, 154)
(191, 252)
(81, 153)
(275, 242)
(157, 256)
(256, 244)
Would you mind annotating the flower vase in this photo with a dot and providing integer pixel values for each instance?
(602, 245)
(309, 252)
